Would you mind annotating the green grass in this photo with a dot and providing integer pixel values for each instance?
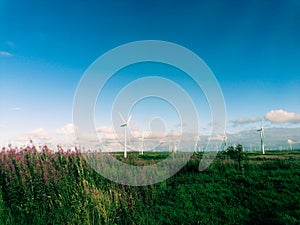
(147, 158)
(60, 188)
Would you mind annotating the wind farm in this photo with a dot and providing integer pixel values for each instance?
(107, 181)
(149, 112)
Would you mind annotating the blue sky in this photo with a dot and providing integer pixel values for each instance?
(252, 47)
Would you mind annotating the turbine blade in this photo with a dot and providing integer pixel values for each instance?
(128, 121)
(122, 117)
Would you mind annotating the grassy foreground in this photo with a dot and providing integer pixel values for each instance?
(43, 187)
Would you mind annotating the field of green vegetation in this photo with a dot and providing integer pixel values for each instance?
(46, 187)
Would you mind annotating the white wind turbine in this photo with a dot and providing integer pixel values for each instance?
(196, 146)
(125, 124)
(290, 142)
(173, 147)
(225, 141)
(142, 143)
(262, 134)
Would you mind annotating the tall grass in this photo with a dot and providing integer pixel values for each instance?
(47, 187)
(52, 188)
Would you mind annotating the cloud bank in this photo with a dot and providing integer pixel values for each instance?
(39, 133)
(3, 53)
(66, 130)
(282, 116)
(244, 121)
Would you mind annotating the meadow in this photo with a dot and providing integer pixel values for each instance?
(58, 187)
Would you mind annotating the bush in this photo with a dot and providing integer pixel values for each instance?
(237, 154)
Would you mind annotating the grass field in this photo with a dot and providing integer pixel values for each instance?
(46, 187)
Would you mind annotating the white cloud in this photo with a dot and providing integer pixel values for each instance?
(245, 121)
(105, 129)
(66, 130)
(39, 133)
(112, 139)
(107, 132)
(11, 44)
(216, 138)
(16, 109)
(282, 116)
(3, 53)
(139, 134)
(174, 134)
(23, 139)
(3, 126)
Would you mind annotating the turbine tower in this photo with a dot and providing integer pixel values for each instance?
(225, 141)
(196, 146)
(125, 125)
(175, 147)
(262, 134)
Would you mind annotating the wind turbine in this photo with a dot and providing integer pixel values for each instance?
(142, 143)
(125, 124)
(196, 146)
(225, 141)
(290, 142)
(175, 147)
(262, 134)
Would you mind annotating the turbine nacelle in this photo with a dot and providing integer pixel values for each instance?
(261, 130)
